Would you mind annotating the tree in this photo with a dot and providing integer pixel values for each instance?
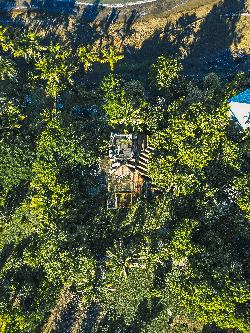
(166, 72)
(88, 56)
(47, 167)
(173, 262)
(56, 68)
(111, 56)
(7, 69)
(189, 144)
(121, 108)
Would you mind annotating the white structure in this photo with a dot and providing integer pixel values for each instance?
(240, 108)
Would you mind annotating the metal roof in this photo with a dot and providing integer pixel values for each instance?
(243, 97)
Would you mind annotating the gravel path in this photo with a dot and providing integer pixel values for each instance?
(117, 5)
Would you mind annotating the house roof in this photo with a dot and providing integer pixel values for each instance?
(122, 147)
(243, 97)
(240, 108)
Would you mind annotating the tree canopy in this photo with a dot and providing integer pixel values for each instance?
(177, 261)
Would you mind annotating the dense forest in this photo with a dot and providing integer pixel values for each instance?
(176, 261)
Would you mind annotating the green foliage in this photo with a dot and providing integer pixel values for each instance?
(193, 138)
(15, 166)
(175, 261)
(7, 69)
(111, 56)
(4, 321)
(24, 45)
(121, 108)
(126, 274)
(202, 301)
(89, 55)
(180, 247)
(47, 165)
(10, 115)
(166, 72)
(8, 323)
(55, 67)
(241, 187)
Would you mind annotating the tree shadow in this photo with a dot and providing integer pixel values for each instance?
(203, 44)
(116, 323)
(50, 16)
(9, 4)
(92, 11)
(54, 20)
(105, 24)
(95, 23)
(66, 318)
(6, 18)
(85, 30)
(58, 20)
(145, 314)
(54, 6)
(169, 41)
(214, 329)
(110, 325)
(129, 21)
(211, 47)
(52, 26)
(110, 19)
(38, 17)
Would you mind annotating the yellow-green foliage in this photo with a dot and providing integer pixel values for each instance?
(242, 193)
(8, 323)
(121, 109)
(4, 321)
(201, 301)
(166, 71)
(181, 247)
(89, 55)
(192, 139)
(55, 67)
(10, 115)
(111, 56)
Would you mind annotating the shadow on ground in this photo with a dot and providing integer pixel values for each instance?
(204, 45)
(64, 20)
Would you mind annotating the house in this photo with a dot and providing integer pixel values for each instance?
(125, 184)
(240, 108)
(128, 175)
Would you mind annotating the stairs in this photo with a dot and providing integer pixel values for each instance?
(143, 160)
